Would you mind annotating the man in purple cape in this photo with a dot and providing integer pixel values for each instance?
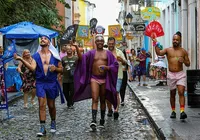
(96, 76)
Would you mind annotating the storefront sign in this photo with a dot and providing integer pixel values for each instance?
(139, 26)
(150, 13)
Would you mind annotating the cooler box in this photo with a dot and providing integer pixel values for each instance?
(193, 88)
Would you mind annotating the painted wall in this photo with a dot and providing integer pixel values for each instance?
(61, 12)
(82, 10)
(68, 14)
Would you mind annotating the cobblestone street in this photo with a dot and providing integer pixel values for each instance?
(73, 124)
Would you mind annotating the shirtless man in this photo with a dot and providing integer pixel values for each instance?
(176, 56)
(98, 68)
(46, 66)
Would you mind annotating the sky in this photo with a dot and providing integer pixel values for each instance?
(106, 12)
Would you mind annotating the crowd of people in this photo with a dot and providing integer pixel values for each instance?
(101, 73)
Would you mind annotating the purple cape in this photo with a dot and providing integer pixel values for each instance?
(82, 76)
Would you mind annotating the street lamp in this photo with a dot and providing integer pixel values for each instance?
(125, 25)
(129, 18)
(122, 31)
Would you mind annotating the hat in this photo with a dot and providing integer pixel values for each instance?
(143, 49)
(99, 37)
(47, 36)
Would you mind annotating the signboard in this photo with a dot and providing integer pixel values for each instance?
(150, 13)
(83, 32)
(114, 31)
(138, 26)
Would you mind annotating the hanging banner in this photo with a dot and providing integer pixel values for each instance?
(83, 32)
(150, 13)
(88, 42)
(69, 34)
(114, 31)
(93, 23)
(5, 57)
(3, 95)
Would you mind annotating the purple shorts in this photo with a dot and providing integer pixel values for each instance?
(49, 90)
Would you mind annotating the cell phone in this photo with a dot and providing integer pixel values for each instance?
(102, 67)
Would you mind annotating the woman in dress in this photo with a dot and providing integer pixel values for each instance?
(28, 78)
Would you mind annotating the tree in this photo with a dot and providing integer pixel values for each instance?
(41, 12)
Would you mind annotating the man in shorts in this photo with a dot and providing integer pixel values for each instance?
(176, 77)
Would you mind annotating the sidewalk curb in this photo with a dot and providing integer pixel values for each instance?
(158, 130)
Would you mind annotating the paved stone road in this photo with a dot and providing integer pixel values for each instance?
(73, 124)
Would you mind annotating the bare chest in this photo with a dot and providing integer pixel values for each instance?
(100, 56)
(45, 58)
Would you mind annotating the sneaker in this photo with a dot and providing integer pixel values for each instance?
(102, 123)
(173, 115)
(122, 103)
(53, 127)
(110, 112)
(116, 115)
(42, 131)
(138, 84)
(71, 107)
(93, 125)
(145, 85)
(33, 103)
(183, 115)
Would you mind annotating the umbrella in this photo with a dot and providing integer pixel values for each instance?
(26, 30)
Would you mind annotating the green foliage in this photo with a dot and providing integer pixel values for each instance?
(40, 12)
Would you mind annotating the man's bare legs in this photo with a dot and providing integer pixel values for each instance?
(173, 103)
(95, 95)
(42, 115)
(110, 111)
(42, 108)
(52, 112)
(102, 103)
(181, 90)
(52, 108)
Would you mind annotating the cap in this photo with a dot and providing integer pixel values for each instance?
(47, 36)
(143, 49)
